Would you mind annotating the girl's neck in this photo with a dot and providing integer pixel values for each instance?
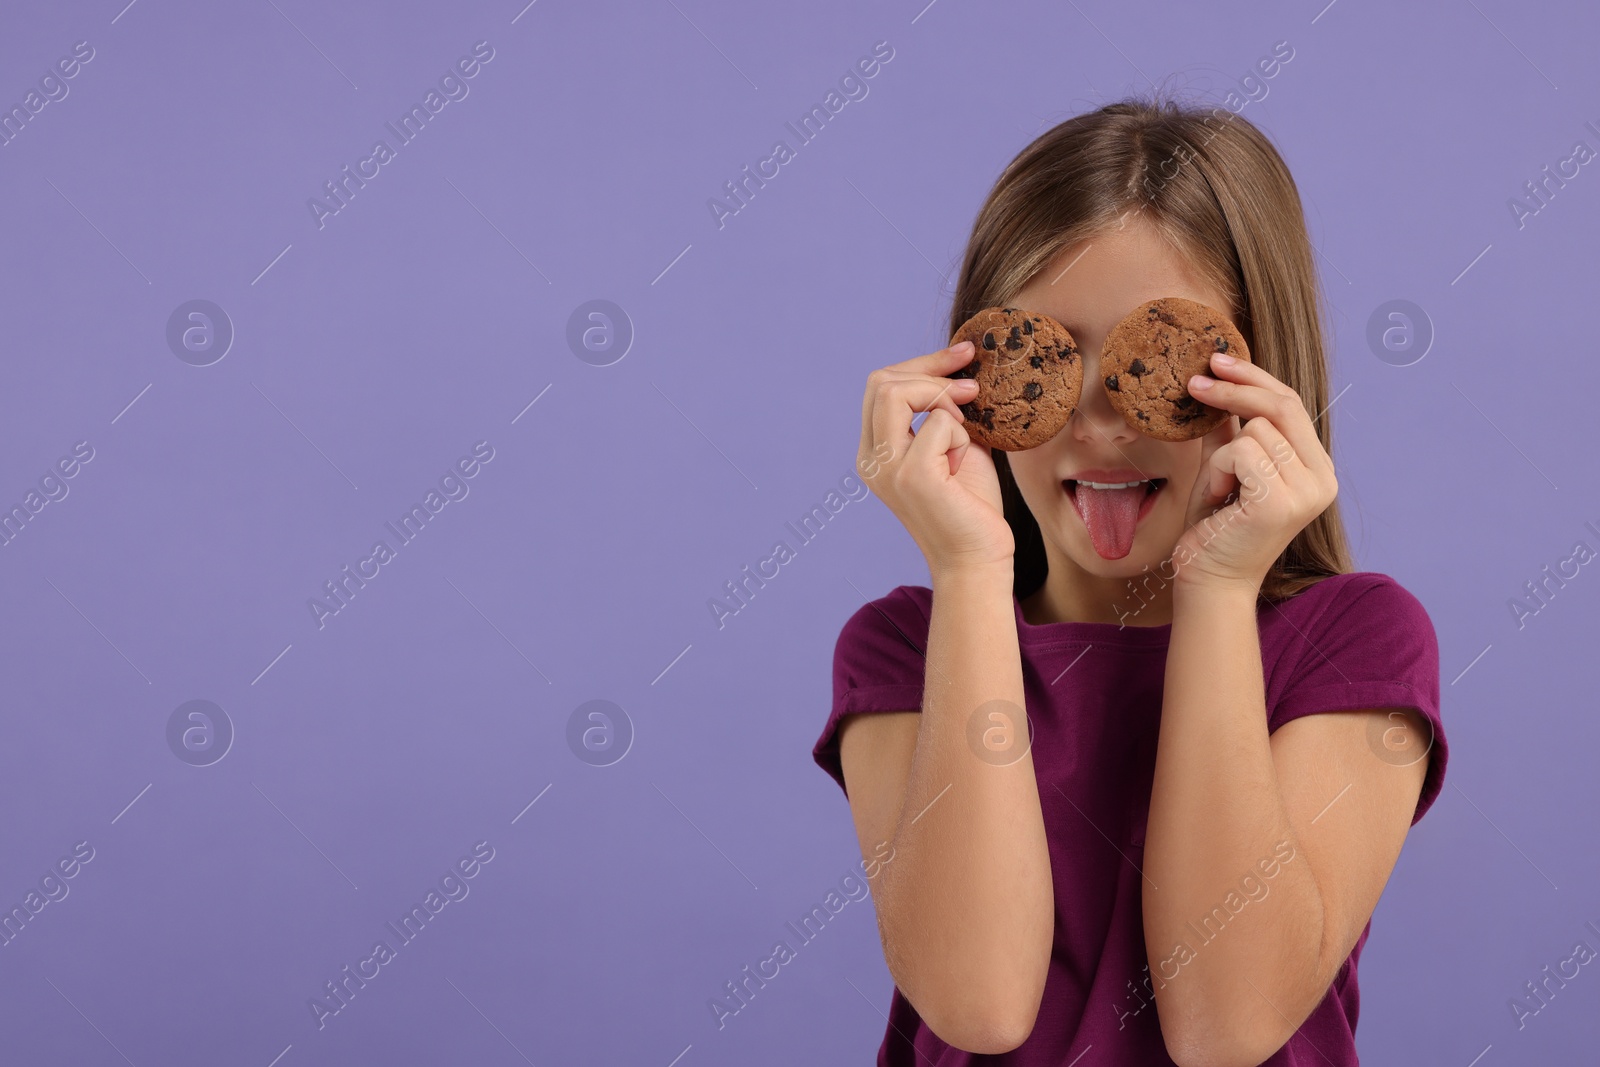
(1070, 594)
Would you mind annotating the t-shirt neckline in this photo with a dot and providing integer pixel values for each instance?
(1107, 633)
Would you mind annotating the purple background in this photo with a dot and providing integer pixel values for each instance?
(428, 314)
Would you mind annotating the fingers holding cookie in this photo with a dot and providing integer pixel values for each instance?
(946, 493)
(896, 394)
(1250, 392)
(1029, 377)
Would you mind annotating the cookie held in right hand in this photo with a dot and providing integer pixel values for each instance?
(1029, 375)
(1149, 356)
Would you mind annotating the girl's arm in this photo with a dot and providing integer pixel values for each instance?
(1309, 812)
(966, 906)
(1229, 804)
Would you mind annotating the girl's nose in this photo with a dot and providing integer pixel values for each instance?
(1095, 421)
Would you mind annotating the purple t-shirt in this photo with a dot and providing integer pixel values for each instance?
(1351, 641)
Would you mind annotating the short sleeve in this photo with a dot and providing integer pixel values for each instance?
(1372, 648)
(878, 664)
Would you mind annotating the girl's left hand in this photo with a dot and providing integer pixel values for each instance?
(1259, 485)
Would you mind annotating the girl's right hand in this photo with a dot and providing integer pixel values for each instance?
(940, 483)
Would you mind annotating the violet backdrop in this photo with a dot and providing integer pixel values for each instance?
(350, 358)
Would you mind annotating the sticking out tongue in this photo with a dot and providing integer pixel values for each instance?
(1110, 515)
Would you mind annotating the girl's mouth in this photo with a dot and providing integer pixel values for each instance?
(1111, 510)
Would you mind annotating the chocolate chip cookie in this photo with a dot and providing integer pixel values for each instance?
(1149, 356)
(1029, 377)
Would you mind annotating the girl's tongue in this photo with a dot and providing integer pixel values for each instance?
(1111, 516)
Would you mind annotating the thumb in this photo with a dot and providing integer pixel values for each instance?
(1202, 502)
(1225, 431)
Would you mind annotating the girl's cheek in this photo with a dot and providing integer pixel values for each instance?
(1180, 459)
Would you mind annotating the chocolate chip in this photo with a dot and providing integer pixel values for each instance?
(1036, 362)
(1111, 383)
(1014, 343)
(1142, 415)
(1032, 391)
(1222, 344)
(1009, 311)
(1027, 327)
(1185, 401)
(988, 340)
(1138, 369)
(1016, 331)
(987, 417)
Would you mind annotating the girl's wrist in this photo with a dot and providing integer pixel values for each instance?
(974, 574)
(1209, 589)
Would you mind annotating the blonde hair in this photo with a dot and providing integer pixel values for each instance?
(1215, 187)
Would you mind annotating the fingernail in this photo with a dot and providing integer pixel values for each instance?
(963, 347)
(1224, 360)
(965, 383)
(1200, 382)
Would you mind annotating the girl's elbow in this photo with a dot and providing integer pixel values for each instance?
(989, 1032)
(988, 1017)
(1214, 1046)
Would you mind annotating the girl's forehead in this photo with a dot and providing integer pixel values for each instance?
(1093, 285)
(1094, 318)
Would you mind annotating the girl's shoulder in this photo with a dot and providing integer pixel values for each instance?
(1351, 597)
(894, 625)
(1361, 627)
(891, 629)
(908, 608)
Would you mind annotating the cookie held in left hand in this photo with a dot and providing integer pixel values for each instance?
(1029, 377)
(1149, 356)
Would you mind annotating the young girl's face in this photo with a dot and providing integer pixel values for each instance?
(1089, 288)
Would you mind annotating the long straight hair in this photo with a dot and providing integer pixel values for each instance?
(1215, 187)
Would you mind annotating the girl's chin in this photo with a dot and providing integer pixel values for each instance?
(1134, 563)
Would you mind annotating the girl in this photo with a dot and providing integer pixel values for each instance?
(1172, 855)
